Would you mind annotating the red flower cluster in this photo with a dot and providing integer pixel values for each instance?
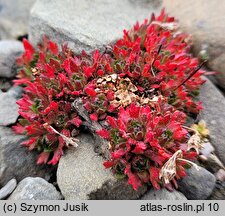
(141, 141)
(46, 106)
(143, 85)
(156, 57)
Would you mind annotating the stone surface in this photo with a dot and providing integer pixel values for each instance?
(212, 163)
(5, 84)
(16, 92)
(14, 16)
(198, 184)
(8, 109)
(35, 189)
(81, 175)
(214, 115)
(8, 189)
(163, 194)
(16, 161)
(87, 24)
(207, 149)
(204, 19)
(220, 175)
(218, 192)
(9, 51)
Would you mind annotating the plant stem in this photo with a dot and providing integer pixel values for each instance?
(192, 74)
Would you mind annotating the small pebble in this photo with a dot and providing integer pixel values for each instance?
(8, 189)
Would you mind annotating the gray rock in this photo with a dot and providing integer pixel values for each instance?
(16, 92)
(35, 189)
(207, 149)
(8, 109)
(9, 51)
(198, 184)
(218, 192)
(8, 189)
(14, 16)
(163, 194)
(220, 175)
(204, 20)
(81, 175)
(5, 84)
(87, 24)
(212, 163)
(16, 161)
(214, 116)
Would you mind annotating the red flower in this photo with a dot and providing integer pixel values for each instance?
(27, 46)
(30, 143)
(88, 71)
(50, 71)
(28, 55)
(119, 153)
(76, 121)
(43, 158)
(76, 93)
(108, 164)
(154, 177)
(100, 72)
(146, 71)
(57, 155)
(134, 111)
(90, 91)
(110, 95)
(94, 117)
(53, 106)
(133, 179)
(139, 148)
(112, 122)
(19, 129)
(53, 47)
(103, 133)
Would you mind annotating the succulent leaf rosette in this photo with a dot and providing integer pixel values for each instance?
(142, 140)
(143, 87)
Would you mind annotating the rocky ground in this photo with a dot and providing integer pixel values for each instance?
(85, 25)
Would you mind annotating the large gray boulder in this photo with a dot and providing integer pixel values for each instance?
(35, 189)
(16, 161)
(163, 194)
(198, 184)
(14, 16)
(87, 24)
(9, 51)
(8, 109)
(81, 175)
(214, 116)
(204, 20)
